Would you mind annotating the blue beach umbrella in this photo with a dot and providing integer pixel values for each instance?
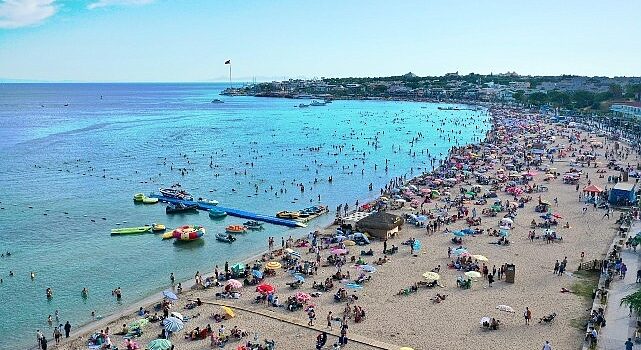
(257, 274)
(299, 277)
(173, 324)
(169, 295)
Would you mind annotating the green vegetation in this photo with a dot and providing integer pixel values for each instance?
(633, 301)
(585, 284)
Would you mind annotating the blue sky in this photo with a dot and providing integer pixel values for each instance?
(188, 40)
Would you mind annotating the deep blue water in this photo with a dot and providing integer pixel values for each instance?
(77, 164)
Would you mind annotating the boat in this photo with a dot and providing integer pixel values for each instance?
(225, 238)
(139, 197)
(302, 105)
(130, 230)
(328, 101)
(188, 232)
(287, 214)
(150, 200)
(217, 214)
(316, 103)
(181, 208)
(175, 193)
(235, 229)
(449, 108)
(217, 101)
(158, 227)
(208, 201)
(253, 225)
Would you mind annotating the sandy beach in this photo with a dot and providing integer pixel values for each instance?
(414, 320)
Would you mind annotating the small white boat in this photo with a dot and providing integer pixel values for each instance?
(302, 105)
(316, 103)
(217, 101)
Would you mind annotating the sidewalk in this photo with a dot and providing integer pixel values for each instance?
(619, 326)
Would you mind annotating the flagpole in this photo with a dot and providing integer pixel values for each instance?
(230, 75)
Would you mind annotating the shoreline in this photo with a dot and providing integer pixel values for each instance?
(86, 329)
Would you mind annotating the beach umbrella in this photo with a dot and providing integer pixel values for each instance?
(257, 274)
(228, 311)
(238, 267)
(367, 268)
(400, 200)
(265, 288)
(294, 254)
(303, 297)
(172, 324)
(431, 276)
(169, 295)
(473, 274)
(299, 277)
(505, 308)
(273, 265)
(458, 233)
(338, 251)
(159, 344)
(234, 284)
(507, 220)
(349, 243)
(177, 315)
(480, 258)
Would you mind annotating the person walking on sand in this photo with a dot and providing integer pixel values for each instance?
(547, 345)
(527, 315)
(39, 336)
(329, 320)
(556, 267)
(629, 344)
(385, 246)
(67, 329)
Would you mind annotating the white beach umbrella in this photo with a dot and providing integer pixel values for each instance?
(172, 324)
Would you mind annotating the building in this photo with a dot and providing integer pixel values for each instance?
(623, 194)
(627, 110)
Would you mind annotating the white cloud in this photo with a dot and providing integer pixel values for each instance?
(21, 13)
(105, 3)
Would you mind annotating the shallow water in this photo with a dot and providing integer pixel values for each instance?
(78, 167)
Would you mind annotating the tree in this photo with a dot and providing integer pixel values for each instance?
(633, 301)
(616, 90)
(538, 98)
(633, 91)
(519, 96)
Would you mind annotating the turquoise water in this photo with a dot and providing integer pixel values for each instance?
(77, 164)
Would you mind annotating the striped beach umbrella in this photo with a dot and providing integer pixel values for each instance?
(273, 265)
(159, 344)
(234, 284)
(172, 324)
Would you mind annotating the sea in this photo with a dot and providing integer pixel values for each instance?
(73, 155)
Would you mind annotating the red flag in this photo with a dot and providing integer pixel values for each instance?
(228, 62)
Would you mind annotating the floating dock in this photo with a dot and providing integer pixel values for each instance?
(233, 212)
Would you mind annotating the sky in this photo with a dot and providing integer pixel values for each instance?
(189, 40)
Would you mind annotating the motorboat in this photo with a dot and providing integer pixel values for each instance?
(130, 230)
(175, 193)
(158, 227)
(225, 238)
(217, 214)
(302, 105)
(139, 197)
(288, 214)
(317, 104)
(208, 201)
(181, 208)
(217, 101)
(235, 229)
(253, 225)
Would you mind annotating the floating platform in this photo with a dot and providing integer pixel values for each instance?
(233, 212)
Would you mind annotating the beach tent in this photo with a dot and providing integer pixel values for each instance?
(593, 189)
(622, 193)
(380, 224)
(354, 217)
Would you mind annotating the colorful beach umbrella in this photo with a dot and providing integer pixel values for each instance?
(234, 284)
(431, 276)
(169, 295)
(238, 267)
(159, 344)
(473, 274)
(299, 277)
(265, 288)
(172, 324)
(273, 265)
(303, 297)
(257, 274)
(228, 311)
